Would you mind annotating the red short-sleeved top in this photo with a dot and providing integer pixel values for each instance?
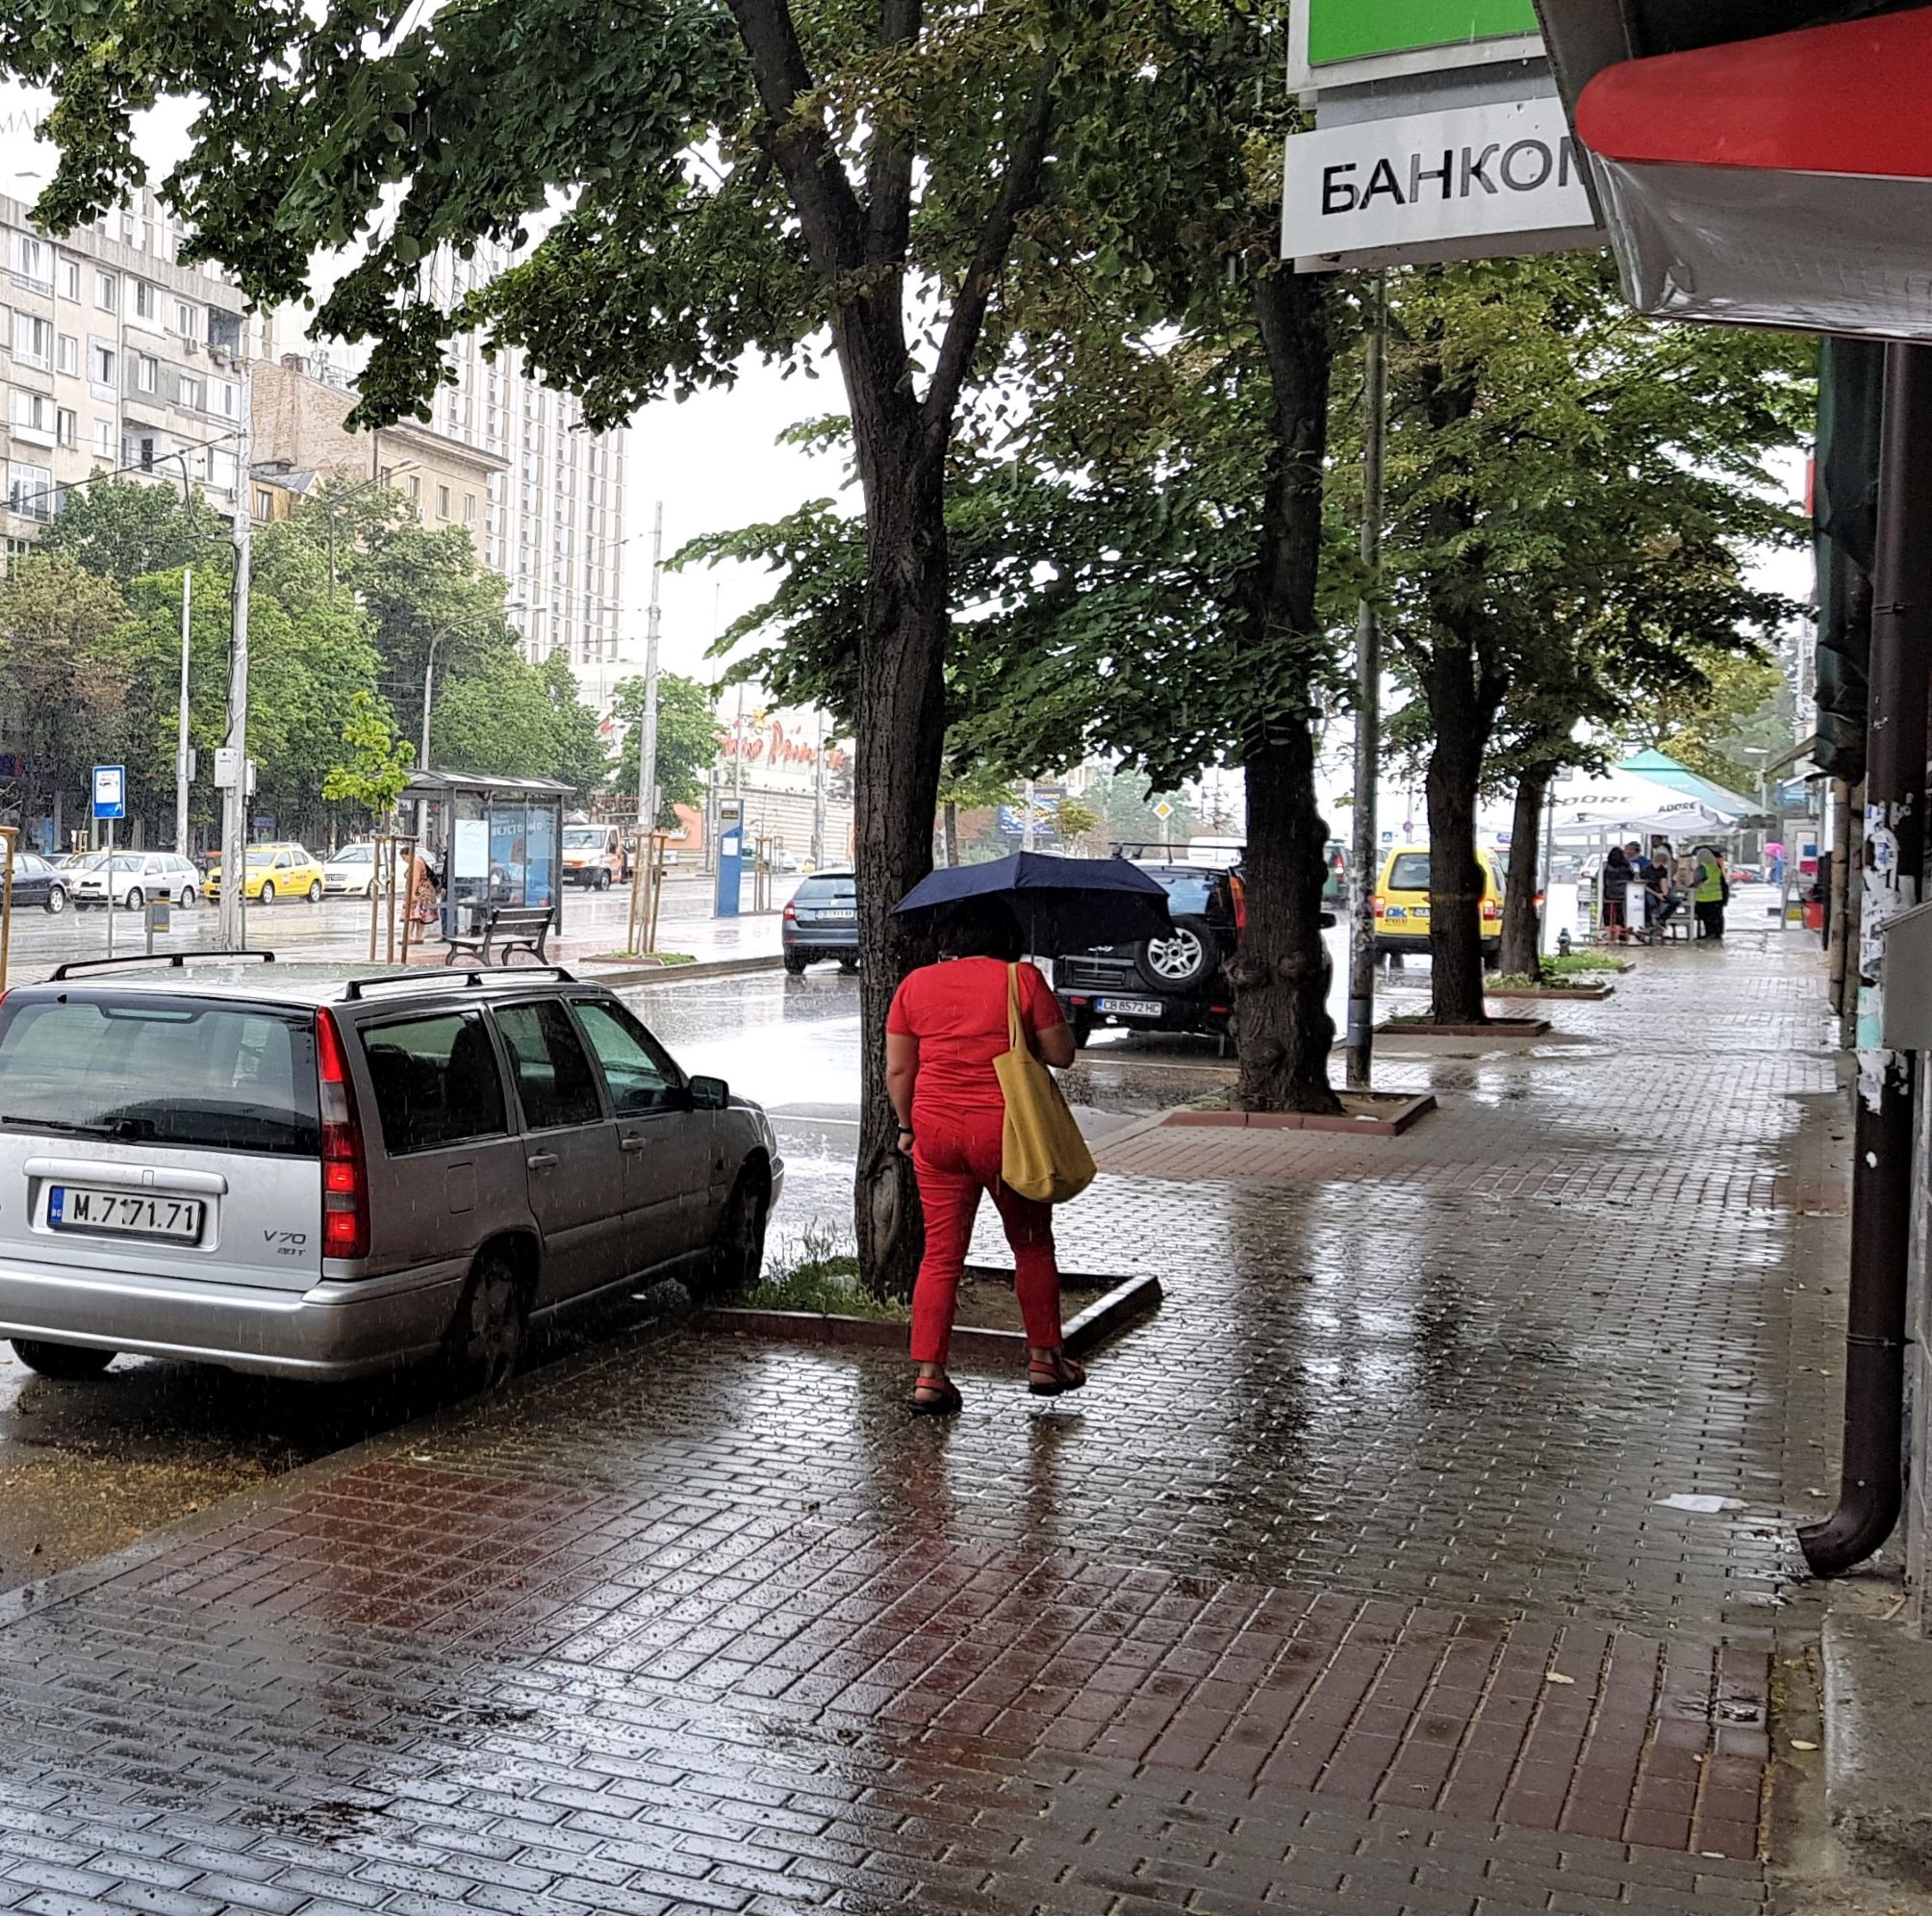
(957, 1012)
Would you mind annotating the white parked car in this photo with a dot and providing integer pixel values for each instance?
(351, 873)
(136, 877)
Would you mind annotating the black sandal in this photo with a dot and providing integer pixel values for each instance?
(1051, 1377)
(935, 1397)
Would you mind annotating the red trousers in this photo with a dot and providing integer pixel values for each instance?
(956, 1156)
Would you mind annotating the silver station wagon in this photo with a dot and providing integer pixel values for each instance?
(222, 1163)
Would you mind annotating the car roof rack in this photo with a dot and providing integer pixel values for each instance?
(356, 988)
(174, 960)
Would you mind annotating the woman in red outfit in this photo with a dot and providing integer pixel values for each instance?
(948, 1024)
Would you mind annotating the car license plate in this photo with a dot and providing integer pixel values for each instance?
(1420, 911)
(126, 1213)
(838, 917)
(1129, 1007)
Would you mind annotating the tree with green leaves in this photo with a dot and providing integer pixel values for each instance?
(733, 179)
(123, 530)
(688, 737)
(377, 768)
(1572, 493)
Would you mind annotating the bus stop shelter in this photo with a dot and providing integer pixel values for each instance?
(492, 841)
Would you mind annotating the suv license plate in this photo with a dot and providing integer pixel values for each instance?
(76, 1209)
(1129, 1007)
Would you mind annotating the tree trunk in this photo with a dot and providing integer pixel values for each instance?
(897, 754)
(1461, 729)
(1281, 974)
(1520, 920)
(951, 832)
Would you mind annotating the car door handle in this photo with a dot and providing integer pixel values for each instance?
(632, 1141)
(542, 1160)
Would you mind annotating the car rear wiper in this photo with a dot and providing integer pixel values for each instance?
(60, 1124)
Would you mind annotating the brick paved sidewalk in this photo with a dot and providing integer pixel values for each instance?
(1347, 1586)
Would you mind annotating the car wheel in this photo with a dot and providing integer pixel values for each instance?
(135, 897)
(315, 891)
(796, 963)
(849, 963)
(267, 892)
(602, 882)
(1180, 961)
(56, 900)
(738, 1249)
(71, 1362)
(485, 1339)
(187, 898)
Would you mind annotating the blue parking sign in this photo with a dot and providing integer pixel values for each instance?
(110, 791)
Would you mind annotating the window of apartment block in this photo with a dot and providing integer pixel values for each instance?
(33, 339)
(31, 413)
(103, 439)
(101, 363)
(146, 373)
(31, 257)
(191, 395)
(187, 319)
(107, 292)
(69, 355)
(145, 448)
(71, 278)
(223, 469)
(442, 501)
(264, 504)
(224, 399)
(29, 490)
(416, 488)
(147, 301)
(66, 425)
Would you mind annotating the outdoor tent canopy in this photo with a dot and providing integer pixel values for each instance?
(1661, 769)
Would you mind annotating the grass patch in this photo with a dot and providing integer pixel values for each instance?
(648, 957)
(1558, 968)
(1547, 980)
(817, 1273)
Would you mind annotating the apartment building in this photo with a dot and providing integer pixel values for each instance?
(116, 358)
(554, 526)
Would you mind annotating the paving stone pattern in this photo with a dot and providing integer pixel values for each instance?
(1345, 1587)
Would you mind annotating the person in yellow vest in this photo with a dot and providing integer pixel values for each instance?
(1712, 891)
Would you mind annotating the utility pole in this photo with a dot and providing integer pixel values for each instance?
(819, 799)
(646, 737)
(1026, 816)
(232, 923)
(181, 731)
(1361, 878)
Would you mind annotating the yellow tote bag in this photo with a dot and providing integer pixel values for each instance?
(1042, 1154)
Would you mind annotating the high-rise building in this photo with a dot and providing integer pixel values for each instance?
(555, 525)
(116, 358)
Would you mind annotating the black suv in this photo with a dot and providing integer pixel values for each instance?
(1161, 984)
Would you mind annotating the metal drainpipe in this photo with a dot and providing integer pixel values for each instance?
(1871, 1481)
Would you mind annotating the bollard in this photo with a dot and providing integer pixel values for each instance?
(158, 920)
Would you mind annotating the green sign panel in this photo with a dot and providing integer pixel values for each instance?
(1360, 28)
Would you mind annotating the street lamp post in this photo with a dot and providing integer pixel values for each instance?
(233, 923)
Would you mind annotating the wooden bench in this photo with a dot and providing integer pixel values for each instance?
(504, 929)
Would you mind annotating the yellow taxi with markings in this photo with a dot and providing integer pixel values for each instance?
(275, 871)
(1402, 903)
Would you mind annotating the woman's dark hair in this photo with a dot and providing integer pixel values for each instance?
(979, 927)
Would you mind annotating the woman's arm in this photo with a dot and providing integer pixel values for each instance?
(1055, 1045)
(901, 1073)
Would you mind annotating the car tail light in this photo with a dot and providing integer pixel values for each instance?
(345, 1170)
(1490, 908)
(791, 912)
(1375, 905)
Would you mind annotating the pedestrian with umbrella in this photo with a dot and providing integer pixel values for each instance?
(966, 1041)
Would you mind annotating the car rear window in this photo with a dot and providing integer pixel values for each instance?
(1188, 891)
(1410, 872)
(436, 1082)
(829, 889)
(161, 1070)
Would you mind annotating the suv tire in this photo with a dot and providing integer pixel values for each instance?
(485, 1339)
(71, 1362)
(1182, 962)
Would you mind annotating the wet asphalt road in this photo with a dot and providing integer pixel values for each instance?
(86, 1469)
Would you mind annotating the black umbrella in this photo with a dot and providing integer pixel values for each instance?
(1063, 904)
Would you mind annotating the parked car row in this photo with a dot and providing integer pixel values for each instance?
(326, 1179)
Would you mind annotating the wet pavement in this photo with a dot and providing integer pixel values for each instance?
(1348, 1585)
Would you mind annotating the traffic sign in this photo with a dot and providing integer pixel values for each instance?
(1162, 810)
(110, 791)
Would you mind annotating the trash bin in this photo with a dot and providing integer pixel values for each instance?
(1814, 914)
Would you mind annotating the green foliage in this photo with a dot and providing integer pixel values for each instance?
(378, 765)
(123, 530)
(1729, 727)
(582, 758)
(687, 739)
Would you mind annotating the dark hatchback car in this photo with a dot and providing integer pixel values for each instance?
(37, 882)
(822, 922)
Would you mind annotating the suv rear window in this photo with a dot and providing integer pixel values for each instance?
(1188, 891)
(1410, 872)
(162, 1070)
(827, 888)
(436, 1082)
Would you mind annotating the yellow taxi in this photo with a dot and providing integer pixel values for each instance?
(1402, 902)
(275, 871)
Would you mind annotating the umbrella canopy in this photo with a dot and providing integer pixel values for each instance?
(1063, 904)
